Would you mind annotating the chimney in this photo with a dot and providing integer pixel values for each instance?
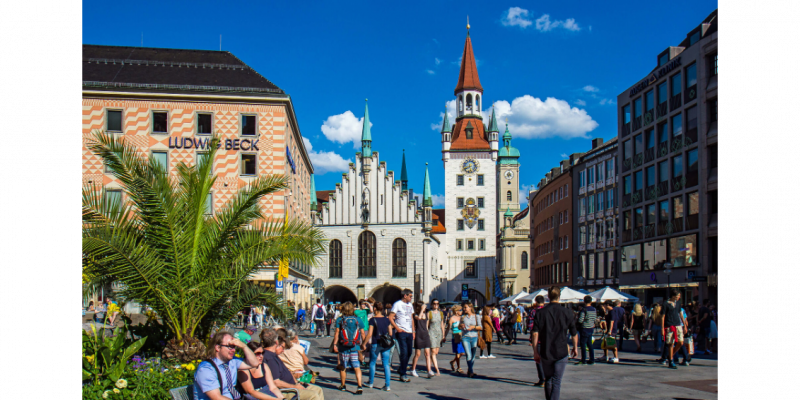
(554, 172)
(573, 158)
(596, 143)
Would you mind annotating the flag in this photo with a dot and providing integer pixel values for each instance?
(498, 292)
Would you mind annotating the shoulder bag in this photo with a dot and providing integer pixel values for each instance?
(385, 340)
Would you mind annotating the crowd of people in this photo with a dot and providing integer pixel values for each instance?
(557, 332)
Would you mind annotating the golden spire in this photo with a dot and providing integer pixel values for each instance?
(467, 23)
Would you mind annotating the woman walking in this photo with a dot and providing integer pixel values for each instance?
(488, 331)
(458, 348)
(637, 326)
(379, 326)
(471, 327)
(422, 340)
(436, 332)
(655, 327)
(508, 325)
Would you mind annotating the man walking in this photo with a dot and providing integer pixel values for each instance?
(551, 325)
(671, 326)
(616, 322)
(704, 321)
(318, 312)
(586, 318)
(400, 318)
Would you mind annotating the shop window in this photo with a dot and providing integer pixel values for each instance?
(159, 122)
(203, 124)
(248, 164)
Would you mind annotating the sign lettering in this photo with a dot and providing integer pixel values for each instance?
(652, 79)
(204, 144)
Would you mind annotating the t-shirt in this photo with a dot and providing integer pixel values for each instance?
(617, 315)
(672, 316)
(293, 358)
(314, 311)
(587, 317)
(381, 327)
(244, 337)
(553, 322)
(704, 311)
(361, 314)
(278, 368)
(206, 378)
(403, 312)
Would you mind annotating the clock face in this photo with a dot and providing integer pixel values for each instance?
(509, 174)
(469, 166)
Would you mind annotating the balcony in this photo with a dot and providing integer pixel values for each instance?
(637, 197)
(601, 244)
(649, 117)
(663, 149)
(600, 184)
(626, 236)
(637, 123)
(665, 228)
(662, 189)
(626, 200)
(627, 164)
(590, 188)
(675, 102)
(638, 160)
(638, 233)
(690, 94)
(649, 154)
(661, 110)
(678, 183)
(522, 232)
(651, 192)
(692, 221)
(677, 224)
(626, 129)
(650, 231)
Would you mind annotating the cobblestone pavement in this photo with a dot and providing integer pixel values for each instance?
(512, 374)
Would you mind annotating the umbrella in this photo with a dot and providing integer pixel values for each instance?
(584, 291)
(608, 293)
(531, 297)
(513, 299)
(571, 296)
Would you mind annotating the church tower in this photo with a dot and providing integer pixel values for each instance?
(469, 154)
(507, 175)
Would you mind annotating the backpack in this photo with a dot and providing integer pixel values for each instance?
(350, 332)
(319, 314)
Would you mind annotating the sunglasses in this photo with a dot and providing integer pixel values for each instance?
(230, 346)
(259, 353)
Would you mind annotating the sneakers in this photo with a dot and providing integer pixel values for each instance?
(590, 363)
(386, 389)
(483, 357)
(708, 352)
(491, 356)
(430, 375)
(405, 378)
(343, 388)
(539, 384)
(672, 365)
(414, 374)
(369, 385)
(662, 362)
(616, 360)
(685, 364)
(359, 390)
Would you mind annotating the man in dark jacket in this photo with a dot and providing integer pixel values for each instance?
(586, 318)
(550, 326)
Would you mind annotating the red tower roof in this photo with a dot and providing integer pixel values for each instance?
(468, 77)
(479, 141)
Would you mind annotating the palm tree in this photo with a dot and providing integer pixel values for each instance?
(159, 244)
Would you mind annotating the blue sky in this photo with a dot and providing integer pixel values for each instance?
(553, 69)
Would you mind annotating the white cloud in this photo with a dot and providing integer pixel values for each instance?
(564, 155)
(529, 117)
(438, 200)
(523, 195)
(607, 102)
(325, 161)
(516, 16)
(344, 128)
(438, 61)
(544, 24)
(590, 88)
(580, 102)
(430, 71)
(450, 106)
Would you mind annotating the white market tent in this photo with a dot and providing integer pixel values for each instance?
(530, 298)
(513, 299)
(608, 293)
(571, 296)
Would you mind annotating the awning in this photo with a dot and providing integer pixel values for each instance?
(660, 285)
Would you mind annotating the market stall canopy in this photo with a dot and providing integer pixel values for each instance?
(608, 293)
(531, 297)
(513, 299)
(571, 296)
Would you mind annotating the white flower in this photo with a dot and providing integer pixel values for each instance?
(122, 384)
(116, 391)
(105, 394)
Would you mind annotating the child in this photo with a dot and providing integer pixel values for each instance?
(347, 339)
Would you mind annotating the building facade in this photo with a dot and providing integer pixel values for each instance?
(513, 240)
(168, 102)
(551, 230)
(668, 158)
(380, 239)
(594, 198)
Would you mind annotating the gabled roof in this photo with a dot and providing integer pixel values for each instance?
(323, 196)
(468, 76)
(438, 215)
(522, 214)
(479, 140)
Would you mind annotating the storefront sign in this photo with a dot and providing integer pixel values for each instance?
(205, 143)
(666, 69)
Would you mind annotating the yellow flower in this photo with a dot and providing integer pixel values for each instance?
(90, 359)
(116, 391)
(189, 367)
(151, 370)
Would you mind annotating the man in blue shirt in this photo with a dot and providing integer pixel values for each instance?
(215, 378)
(615, 328)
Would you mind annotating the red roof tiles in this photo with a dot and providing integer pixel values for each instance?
(479, 140)
(468, 77)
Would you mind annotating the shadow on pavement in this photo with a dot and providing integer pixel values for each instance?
(429, 395)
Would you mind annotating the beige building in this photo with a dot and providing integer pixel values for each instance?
(513, 252)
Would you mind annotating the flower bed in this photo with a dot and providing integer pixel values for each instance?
(150, 378)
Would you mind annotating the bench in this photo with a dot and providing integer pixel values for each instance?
(187, 393)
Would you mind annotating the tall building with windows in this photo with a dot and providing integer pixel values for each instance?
(168, 103)
(380, 239)
(668, 159)
(513, 238)
(551, 229)
(594, 199)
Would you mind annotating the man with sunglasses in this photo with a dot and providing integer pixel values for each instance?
(216, 377)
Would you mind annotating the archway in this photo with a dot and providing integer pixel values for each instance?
(339, 294)
(386, 293)
(474, 296)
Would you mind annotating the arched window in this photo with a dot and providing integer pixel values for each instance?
(335, 264)
(461, 103)
(399, 258)
(508, 195)
(469, 102)
(366, 255)
(478, 102)
(524, 262)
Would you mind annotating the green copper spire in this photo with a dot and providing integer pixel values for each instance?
(508, 212)
(508, 154)
(446, 124)
(404, 173)
(507, 137)
(426, 191)
(493, 123)
(313, 194)
(366, 136)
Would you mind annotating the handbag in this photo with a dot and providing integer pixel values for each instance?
(610, 343)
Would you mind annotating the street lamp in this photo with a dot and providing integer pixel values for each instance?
(667, 272)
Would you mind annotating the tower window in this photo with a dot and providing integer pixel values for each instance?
(508, 195)
(480, 180)
(460, 180)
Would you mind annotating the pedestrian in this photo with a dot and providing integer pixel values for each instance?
(329, 318)
(436, 332)
(216, 377)
(274, 346)
(318, 313)
(257, 382)
(363, 314)
(704, 321)
(551, 326)
(487, 332)
(257, 313)
(348, 338)
(585, 326)
(538, 305)
(497, 315)
(470, 327)
(520, 311)
(615, 321)
(422, 339)
(637, 326)
(508, 325)
(671, 326)
(655, 327)
(379, 327)
(401, 317)
(458, 349)
(112, 311)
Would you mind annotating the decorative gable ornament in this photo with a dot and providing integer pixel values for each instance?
(470, 212)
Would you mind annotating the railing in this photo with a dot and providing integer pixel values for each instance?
(637, 197)
(637, 233)
(663, 149)
(626, 200)
(650, 231)
(627, 164)
(678, 183)
(522, 232)
(637, 123)
(662, 189)
(626, 129)
(690, 94)
(649, 154)
(651, 192)
(649, 117)
(691, 135)
(675, 102)
(692, 221)
(638, 160)
(662, 110)
(677, 224)
(626, 236)
(665, 228)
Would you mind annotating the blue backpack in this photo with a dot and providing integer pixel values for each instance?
(350, 332)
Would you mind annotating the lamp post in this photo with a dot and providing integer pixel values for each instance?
(668, 272)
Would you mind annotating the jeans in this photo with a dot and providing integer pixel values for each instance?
(328, 328)
(658, 340)
(320, 324)
(586, 344)
(470, 348)
(386, 358)
(518, 327)
(405, 343)
(553, 372)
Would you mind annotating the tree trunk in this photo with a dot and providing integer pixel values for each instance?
(185, 350)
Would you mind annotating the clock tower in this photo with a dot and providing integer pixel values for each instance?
(469, 155)
(507, 176)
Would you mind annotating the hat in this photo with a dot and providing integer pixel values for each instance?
(250, 328)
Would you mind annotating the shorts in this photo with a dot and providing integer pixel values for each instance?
(349, 358)
(671, 336)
